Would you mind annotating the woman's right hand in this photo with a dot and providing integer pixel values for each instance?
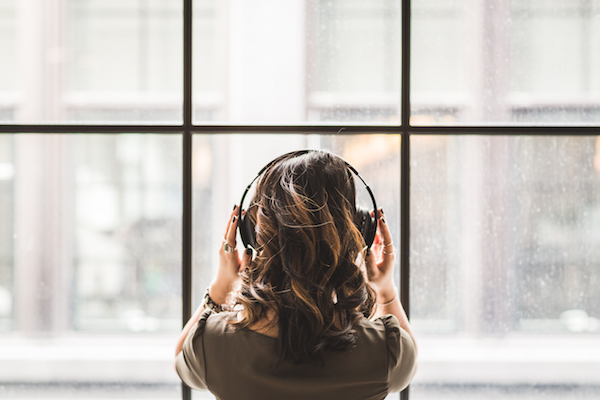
(380, 262)
(230, 263)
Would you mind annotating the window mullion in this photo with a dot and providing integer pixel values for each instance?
(187, 229)
(405, 166)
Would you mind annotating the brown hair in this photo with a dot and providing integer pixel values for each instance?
(306, 267)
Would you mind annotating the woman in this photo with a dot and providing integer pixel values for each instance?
(317, 314)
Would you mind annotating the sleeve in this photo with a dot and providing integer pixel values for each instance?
(190, 363)
(402, 357)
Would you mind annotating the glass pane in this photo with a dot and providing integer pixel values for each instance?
(7, 172)
(90, 265)
(295, 62)
(225, 164)
(8, 49)
(519, 62)
(91, 61)
(209, 61)
(505, 256)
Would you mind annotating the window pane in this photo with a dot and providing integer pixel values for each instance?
(91, 61)
(505, 256)
(7, 172)
(518, 61)
(90, 273)
(354, 64)
(225, 164)
(8, 49)
(295, 61)
(209, 60)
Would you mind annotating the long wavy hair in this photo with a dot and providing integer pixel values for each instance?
(307, 268)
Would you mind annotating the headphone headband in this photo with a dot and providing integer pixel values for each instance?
(367, 224)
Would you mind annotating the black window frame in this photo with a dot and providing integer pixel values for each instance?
(188, 129)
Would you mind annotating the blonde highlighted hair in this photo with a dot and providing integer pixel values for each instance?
(307, 269)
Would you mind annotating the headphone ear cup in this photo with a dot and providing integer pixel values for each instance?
(247, 231)
(367, 225)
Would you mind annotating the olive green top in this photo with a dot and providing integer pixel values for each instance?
(239, 364)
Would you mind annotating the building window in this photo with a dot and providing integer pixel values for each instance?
(501, 120)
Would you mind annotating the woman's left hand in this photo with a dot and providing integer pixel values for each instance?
(380, 262)
(230, 263)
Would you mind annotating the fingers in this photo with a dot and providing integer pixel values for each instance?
(380, 262)
(386, 236)
(229, 258)
(232, 223)
(232, 230)
(229, 242)
(233, 213)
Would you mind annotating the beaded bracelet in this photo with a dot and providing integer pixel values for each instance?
(207, 302)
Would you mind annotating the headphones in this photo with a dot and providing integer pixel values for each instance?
(366, 224)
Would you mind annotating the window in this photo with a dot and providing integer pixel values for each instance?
(124, 145)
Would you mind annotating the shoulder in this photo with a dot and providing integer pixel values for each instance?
(386, 332)
(384, 328)
(401, 351)
(190, 361)
(221, 337)
(209, 323)
(198, 347)
(216, 323)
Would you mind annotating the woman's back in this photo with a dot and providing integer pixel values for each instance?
(243, 364)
